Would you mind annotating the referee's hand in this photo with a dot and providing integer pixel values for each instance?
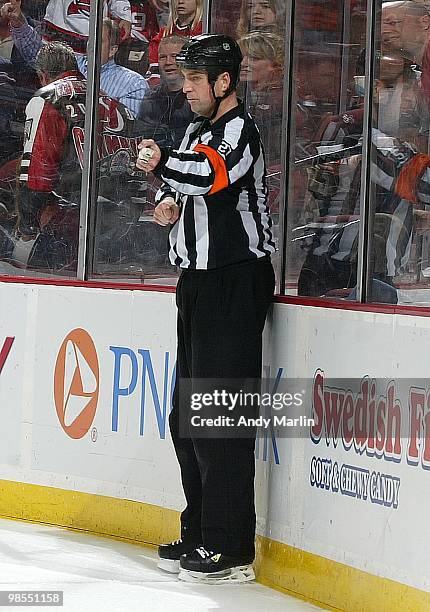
(166, 212)
(148, 163)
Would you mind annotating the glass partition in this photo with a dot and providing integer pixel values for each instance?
(43, 133)
(259, 28)
(325, 156)
(42, 102)
(43, 108)
(399, 269)
(139, 99)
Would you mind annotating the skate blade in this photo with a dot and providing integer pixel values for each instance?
(169, 565)
(235, 575)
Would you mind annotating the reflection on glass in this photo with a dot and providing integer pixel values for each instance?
(325, 157)
(43, 44)
(40, 178)
(259, 26)
(261, 86)
(137, 246)
(42, 132)
(400, 261)
(128, 244)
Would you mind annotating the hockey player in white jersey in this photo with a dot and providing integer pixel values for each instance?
(68, 20)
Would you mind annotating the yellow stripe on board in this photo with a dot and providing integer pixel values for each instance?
(338, 586)
(118, 518)
(324, 582)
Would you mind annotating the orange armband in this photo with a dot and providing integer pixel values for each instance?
(218, 164)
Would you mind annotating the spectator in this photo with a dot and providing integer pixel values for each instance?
(6, 42)
(392, 20)
(120, 83)
(133, 52)
(267, 15)
(67, 20)
(144, 20)
(116, 81)
(14, 63)
(262, 72)
(162, 9)
(50, 178)
(405, 26)
(185, 19)
(401, 109)
(165, 112)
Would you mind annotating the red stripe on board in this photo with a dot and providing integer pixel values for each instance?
(392, 309)
(415, 311)
(57, 282)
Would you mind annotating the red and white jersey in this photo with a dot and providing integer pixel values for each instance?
(176, 31)
(144, 20)
(67, 20)
(53, 159)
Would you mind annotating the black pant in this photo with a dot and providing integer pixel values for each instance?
(221, 315)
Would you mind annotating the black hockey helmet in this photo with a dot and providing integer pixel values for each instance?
(214, 54)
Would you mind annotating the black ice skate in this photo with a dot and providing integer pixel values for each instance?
(203, 565)
(170, 554)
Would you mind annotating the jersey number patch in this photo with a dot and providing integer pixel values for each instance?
(224, 149)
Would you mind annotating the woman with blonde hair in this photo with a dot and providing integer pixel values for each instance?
(261, 76)
(261, 15)
(185, 19)
(263, 59)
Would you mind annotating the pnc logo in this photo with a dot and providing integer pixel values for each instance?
(76, 383)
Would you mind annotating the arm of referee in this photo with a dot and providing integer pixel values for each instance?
(208, 168)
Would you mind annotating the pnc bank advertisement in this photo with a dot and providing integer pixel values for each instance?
(136, 377)
(103, 395)
(104, 391)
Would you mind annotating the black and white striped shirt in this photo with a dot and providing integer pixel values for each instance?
(218, 177)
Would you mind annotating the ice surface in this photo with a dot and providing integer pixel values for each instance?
(100, 574)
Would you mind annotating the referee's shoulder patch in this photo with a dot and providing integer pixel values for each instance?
(224, 149)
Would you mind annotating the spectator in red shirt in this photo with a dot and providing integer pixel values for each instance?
(185, 19)
(144, 24)
(133, 51)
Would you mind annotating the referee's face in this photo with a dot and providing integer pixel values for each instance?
(199, 92)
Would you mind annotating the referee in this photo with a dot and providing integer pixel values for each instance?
(214, 194)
